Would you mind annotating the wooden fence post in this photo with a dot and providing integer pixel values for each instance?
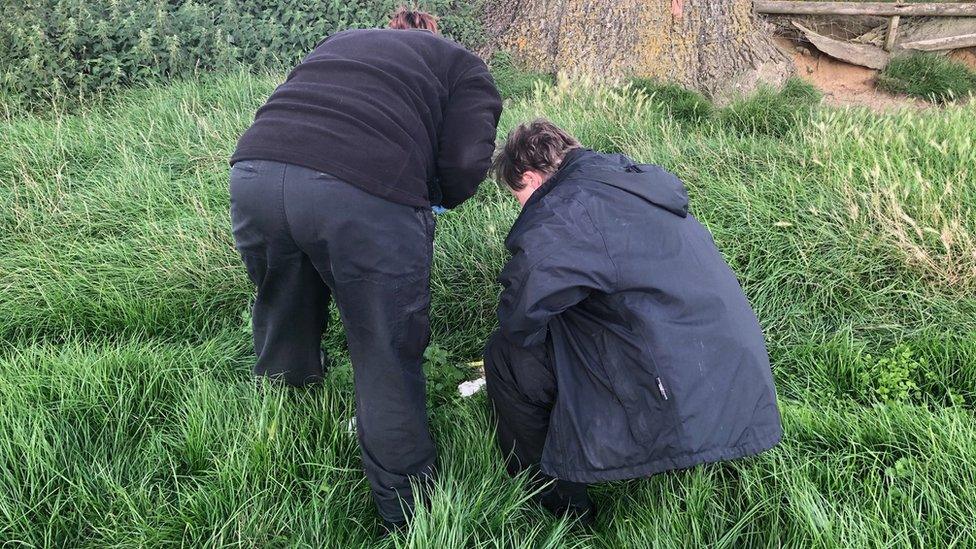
(892, 31)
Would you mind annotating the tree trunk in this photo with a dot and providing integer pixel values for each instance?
(719, 47)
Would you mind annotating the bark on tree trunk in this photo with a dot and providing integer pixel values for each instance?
(719, 47)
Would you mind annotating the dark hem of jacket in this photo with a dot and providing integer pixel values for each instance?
(664, 464)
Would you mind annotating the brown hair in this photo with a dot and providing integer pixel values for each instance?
(539, 145)
(404, 18)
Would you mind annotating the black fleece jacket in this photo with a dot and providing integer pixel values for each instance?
(402, 114)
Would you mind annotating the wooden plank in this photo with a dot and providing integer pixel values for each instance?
(892, 32)
(884, 9)
(865, 55)
(931, 28)
(947, 43)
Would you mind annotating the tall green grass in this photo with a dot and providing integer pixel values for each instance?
(129, 417)
(928, 76)
(513, 81)
(767, 111)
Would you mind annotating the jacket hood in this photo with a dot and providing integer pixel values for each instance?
(647, 182)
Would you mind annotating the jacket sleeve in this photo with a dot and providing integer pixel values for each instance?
(557, 263)
(467, 137)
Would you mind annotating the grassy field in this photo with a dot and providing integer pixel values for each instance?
(129, 418)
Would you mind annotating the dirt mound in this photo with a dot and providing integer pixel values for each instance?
(842, 83)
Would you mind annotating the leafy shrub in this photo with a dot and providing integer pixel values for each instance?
(929, 76)
(769, 111)
(53, 48)
(892, 377)
(681, 104)
(512, 81)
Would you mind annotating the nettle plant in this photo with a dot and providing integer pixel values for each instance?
(443, 376)
(891, 377)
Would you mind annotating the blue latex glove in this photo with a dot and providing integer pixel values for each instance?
(438, 210)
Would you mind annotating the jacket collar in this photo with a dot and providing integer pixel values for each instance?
(571, 162)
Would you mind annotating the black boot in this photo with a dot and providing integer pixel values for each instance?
(387, 528)
(570, 499)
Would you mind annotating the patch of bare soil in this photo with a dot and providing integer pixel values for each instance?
(966, 55)
(843, 84)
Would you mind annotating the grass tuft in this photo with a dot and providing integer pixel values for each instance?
(514, 82)
(682, 104)
(771, 112)
(928, 76)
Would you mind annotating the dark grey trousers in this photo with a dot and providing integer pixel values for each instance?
(307, 237)
(522, 391)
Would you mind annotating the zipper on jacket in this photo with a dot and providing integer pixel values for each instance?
(661, 389)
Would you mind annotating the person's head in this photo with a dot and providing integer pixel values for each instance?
(532, 153)
(404, 18)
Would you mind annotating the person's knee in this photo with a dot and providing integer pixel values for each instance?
(496, 355)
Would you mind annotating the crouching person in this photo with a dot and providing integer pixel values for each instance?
(625, 345)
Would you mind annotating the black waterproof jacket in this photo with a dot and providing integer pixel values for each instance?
(659, 360)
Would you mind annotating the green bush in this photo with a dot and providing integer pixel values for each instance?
(769, 111)
(682, 104)
(57, 48)
(929, 76)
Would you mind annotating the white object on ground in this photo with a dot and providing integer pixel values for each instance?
(351, 426)
(469, 388)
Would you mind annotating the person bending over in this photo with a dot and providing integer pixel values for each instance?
(625, 345)
(331, 193)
